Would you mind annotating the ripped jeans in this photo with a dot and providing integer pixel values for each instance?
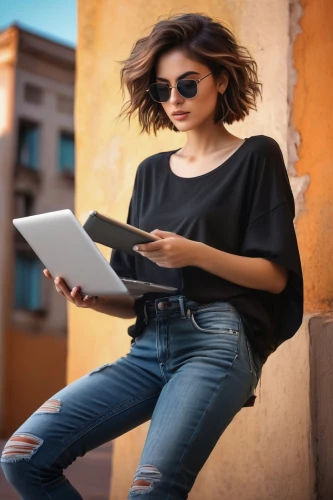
(190, 370)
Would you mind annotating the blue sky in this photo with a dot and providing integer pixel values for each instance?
(55, 19)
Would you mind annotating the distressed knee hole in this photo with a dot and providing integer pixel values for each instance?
(50, 406)
(144, 479)
(20, 447)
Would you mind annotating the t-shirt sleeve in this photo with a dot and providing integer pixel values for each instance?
(270, 234)
(121, 262)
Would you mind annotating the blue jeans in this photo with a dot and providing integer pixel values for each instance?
(190, 371)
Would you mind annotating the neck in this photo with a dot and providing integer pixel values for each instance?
(205, 140)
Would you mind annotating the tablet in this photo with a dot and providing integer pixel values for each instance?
(67, 251)
(115, 234)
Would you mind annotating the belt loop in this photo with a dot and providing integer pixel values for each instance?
(182, 307)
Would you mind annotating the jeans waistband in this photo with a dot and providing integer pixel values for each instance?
(177, 304)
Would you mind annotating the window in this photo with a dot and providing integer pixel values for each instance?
(28, 273)
(24, 203)
(33, 94)
(66, 153)
(65, 104)
(28, 144)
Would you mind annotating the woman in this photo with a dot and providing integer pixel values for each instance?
(223, 209)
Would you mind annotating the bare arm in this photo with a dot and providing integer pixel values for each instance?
(252, 272)
(121, 307)
(175, 251)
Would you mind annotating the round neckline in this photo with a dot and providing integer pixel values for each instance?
(169, 153)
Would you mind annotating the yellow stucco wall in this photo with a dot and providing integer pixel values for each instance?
(266, 449)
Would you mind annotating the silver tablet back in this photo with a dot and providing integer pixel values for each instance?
(66, 250)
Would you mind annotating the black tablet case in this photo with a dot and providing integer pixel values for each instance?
(111, 235)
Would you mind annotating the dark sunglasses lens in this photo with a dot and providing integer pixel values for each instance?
(187, 88)
(159, 92)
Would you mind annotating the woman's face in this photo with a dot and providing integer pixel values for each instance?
(201, 108)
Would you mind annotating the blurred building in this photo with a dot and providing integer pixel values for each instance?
(36, 175)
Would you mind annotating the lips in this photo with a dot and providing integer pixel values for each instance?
(181, 117)
(180, 113)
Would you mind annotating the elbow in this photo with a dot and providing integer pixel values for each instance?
(280, 282)
(278, 278)
(277, 290)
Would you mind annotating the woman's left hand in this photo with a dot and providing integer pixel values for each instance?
(171, 250)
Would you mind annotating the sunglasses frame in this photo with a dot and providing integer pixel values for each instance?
(176, 87)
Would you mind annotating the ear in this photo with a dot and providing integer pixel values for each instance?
(223, 81)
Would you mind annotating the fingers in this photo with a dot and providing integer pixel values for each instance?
(74, 295)
(148, 247)
(80, 301)
(89, 300)
(46, 273)
(63, 289)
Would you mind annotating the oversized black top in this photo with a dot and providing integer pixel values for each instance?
(245, 207)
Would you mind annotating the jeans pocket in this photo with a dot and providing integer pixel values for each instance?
(215, 320)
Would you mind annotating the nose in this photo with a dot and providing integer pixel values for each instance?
(175, 96)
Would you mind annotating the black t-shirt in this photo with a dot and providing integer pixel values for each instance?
(244, 207)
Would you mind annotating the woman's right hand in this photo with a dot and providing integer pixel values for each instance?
(72, 296)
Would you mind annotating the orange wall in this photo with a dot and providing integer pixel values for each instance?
(35, 370)
(312, 117)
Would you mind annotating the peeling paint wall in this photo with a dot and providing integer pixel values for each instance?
(299, 183)
(312, 117)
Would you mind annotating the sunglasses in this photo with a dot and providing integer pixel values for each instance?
(160, 92)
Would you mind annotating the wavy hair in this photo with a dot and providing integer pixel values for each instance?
(203, 39)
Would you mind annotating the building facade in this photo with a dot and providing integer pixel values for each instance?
(37, 175)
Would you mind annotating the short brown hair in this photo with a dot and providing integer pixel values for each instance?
(205, 40)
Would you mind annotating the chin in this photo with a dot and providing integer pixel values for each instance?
(183, 127)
